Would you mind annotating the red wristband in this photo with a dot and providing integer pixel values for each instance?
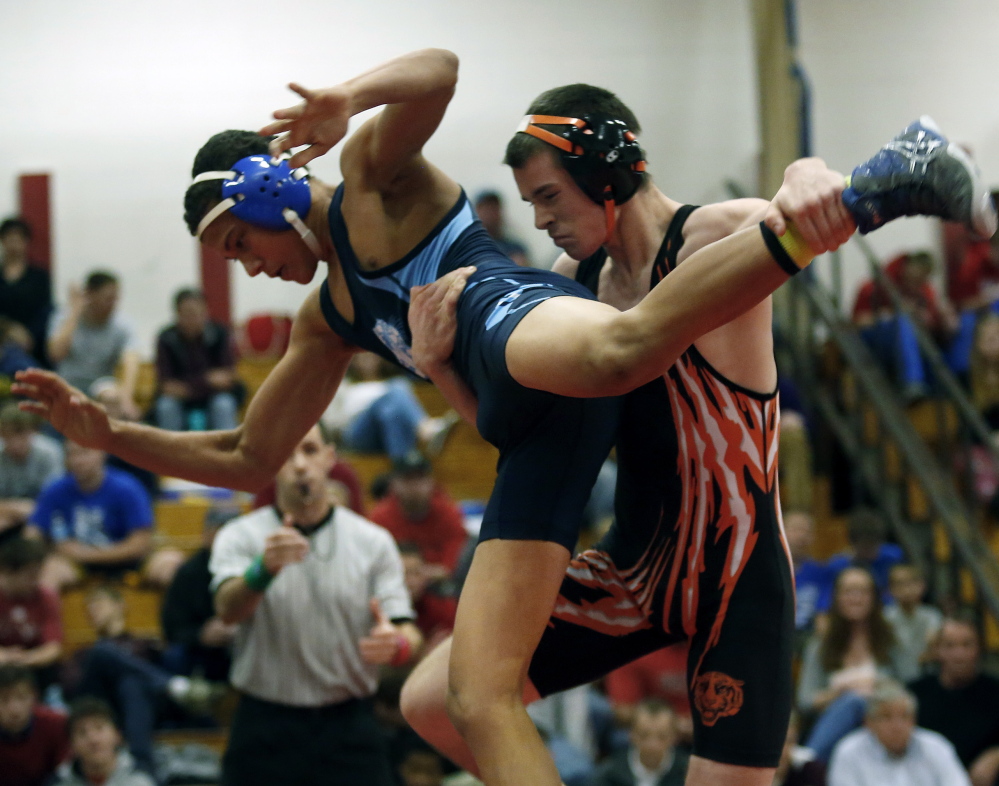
(404, 648)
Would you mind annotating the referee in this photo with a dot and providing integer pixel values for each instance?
(319, 596)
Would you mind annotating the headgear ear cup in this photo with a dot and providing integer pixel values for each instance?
(598, 151)
(265, 192)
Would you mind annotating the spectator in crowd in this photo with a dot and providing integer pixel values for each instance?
(796, 768)
(417, 510)
(435, 610)
(98, 756)
(891, 335)
(867, 532)
(795, 448)
(344, 484)
(13, 357)
(810, 575)
(197, 639)
(124, 670)
(976, 290)
(660, 675)
(321, 602)
(652, 758)
(890, 749)
(984, 371)
(30, 614)
(108, 391)
(33, 740)
(28, 462)
(197, 386)
(375, 411)
(25, 289)
(983, 382)
(97, 518)
(960, 701)
(914, 623)
(978, 279)
(570, 723)
(89, 339)
(489, 208)
(841, 666)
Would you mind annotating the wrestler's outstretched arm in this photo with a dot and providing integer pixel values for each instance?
(288, 404)
(584, 348)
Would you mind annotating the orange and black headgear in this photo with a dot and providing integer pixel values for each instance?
(598, 151)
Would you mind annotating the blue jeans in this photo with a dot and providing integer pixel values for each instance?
(389, 424)
(845, 714)
(134, 687)
(220, 413)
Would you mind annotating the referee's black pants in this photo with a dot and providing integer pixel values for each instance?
(280, 745)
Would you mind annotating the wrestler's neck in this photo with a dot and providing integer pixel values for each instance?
(318, 219)
(638, 233)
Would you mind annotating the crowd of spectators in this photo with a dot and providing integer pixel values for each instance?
(306, 609)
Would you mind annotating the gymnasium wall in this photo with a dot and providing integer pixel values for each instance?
(114, 98)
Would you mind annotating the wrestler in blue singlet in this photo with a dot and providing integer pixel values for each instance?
(551, 447)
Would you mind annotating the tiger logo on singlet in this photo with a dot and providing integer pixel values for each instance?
(717, 695)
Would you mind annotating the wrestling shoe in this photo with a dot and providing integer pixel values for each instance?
(920, 173)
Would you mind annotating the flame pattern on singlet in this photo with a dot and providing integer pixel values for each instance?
(713, 500)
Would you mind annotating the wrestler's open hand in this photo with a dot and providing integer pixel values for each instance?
(320, 121)
(811, 197)
(433, 318)
(382, 642)
(79, 418)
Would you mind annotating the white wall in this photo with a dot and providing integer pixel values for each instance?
(114, 98)
(875, 65)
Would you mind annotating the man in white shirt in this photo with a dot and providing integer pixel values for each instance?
(891, 751)
(321, 602)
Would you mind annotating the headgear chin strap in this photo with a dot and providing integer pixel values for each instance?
(600, 154)
(265, 192)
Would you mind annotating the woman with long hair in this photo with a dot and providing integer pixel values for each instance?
(842, 665)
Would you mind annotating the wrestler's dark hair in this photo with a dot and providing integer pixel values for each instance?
(567, 101)
(217, 155)
(836, 641)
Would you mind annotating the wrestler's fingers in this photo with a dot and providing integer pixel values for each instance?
(304, 92)
(303, 157)
(34, 407)
(276, 127)
(774, 219)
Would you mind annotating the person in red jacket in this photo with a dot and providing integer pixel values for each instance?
(890, 334)
(33, 738)
(417, 510)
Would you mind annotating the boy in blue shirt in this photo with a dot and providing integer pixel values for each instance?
(97, 518)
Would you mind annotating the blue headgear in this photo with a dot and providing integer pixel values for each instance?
(265, 192)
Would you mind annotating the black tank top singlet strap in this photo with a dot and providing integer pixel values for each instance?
(588, 272)
(673, 242)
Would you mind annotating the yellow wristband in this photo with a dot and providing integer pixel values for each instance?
(796, 247)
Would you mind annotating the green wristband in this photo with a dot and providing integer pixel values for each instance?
(257, 577)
